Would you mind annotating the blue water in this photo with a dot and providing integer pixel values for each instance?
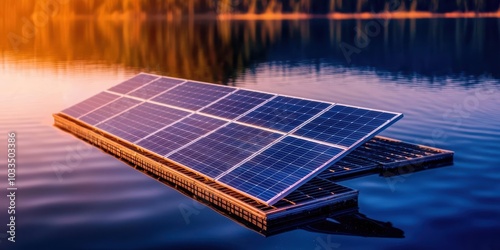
(443, 74)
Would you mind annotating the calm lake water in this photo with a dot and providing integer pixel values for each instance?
(443, 74)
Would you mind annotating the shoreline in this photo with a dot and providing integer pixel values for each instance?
(291, 16)
(365, 15)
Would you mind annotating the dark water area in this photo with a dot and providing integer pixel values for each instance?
(443, 74)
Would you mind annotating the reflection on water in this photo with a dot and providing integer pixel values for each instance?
(355, 224)
(218, 51)
(443, 74)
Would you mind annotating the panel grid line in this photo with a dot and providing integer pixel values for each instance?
(146, 137)
(131, 97)
(177, 135)
(187, 145)
(141, 121)
(99, 106)
(165, 91)
(168, 106)
(284, 113)
(309, 176)
(319, 142)
(380, 128)
(146, 84)
(224, 148)
(250, 157)
(208, 105)
(117, 114)
(193, 95)
(255, 108)
(130, 79)
(161, 80)
(234, 105)
(115, 93)
(153, 102)
(197, 139)
(235, 120)
(111, 109)
(284, 95)
(310, 119)
(300, 159)
(273, 143)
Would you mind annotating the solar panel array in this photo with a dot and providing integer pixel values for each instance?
(260, 144)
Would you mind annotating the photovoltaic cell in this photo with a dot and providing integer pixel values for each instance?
(141, 121)
(223, 149)
(90, 104)
(181, 133)
(280, 167)
(283, 113)
(236, 104)
(133, 83)
(155, 87)
(343, 125)
(109, 110)
(192, 95)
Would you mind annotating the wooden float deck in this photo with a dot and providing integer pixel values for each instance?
(320, 196)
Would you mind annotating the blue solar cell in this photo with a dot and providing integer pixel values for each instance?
(141, 121)
(181, 133)
(90, 104)
(156, 87)
(236, 104)
(109, 110)
(133, 83)
(223, 149)
(192, 95)
(283, 113)
(267, 175)
(343, 125)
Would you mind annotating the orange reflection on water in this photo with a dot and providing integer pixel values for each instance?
(220, 50)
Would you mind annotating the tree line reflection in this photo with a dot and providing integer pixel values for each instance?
(218, 51)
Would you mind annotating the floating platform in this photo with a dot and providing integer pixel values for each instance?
(318, 197)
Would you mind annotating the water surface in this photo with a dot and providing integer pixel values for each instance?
(443, 74)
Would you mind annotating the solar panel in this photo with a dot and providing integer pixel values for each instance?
(156, 87)
(236, 104)
(109, 110)
(283, 113)
(133, 83)
(344, 125)
(192, 95)
(264, 145)
(219, 151)
(279, 168)
(179, 134)
(141, 121)
(90, 104)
